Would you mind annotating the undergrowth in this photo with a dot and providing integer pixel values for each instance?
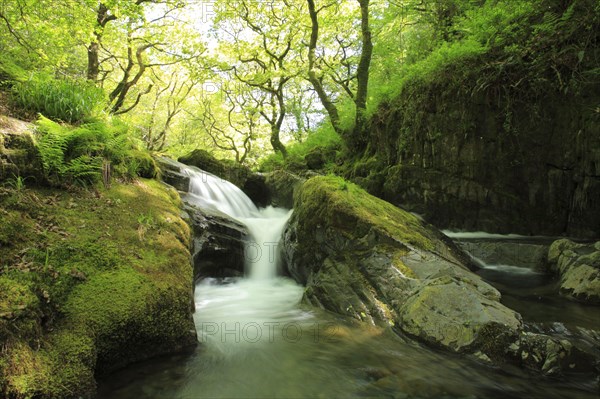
(323, 140)
(90, 153)
(65, 99)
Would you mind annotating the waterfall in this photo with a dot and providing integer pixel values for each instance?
(208, 190)
(265, 225)
(261, 303)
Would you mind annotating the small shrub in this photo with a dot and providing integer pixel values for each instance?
(67, 100)
(324, 140)
(76, 155)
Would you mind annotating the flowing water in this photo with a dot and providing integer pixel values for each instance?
(258, 342)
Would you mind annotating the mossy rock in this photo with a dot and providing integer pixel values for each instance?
(146, 165)
(315, 159)
(352, 209)
(578, 266)
(97, 281)
(19, 156)
(281, 185)
(365, 258)
(225, 169)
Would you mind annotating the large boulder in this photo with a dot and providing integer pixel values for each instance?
(578, 266)
(362, 257)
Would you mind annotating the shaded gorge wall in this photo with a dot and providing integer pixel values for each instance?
(500, 159)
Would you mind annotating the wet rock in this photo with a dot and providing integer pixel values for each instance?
(218, 243)
(219, 240)
(171, 174)
(256, 189)
(578, 266)
(363, 257)
(550, 355)
(452, 314)
(522, 254)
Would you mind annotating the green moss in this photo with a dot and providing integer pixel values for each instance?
(144, 165)
(329, 199)
(13, 228)
(399, 264)
(81, 292)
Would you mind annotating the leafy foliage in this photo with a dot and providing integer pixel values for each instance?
(67, 100)
(77, 155)
(324, 140)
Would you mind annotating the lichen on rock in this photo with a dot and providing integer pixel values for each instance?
(578, 266)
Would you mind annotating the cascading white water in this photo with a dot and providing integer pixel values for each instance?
(265, 225)
(208, 190)
(261, 303)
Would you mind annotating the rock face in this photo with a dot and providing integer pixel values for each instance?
(218, 243)
(362, 257)
(18, 155)
(367, 259)
(282, 184)
(479, 160)
(578, 266)
(171, 173)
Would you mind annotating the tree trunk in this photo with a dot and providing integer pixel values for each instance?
(314, 79)
(93, 68)
(102, 18)
(358, 137)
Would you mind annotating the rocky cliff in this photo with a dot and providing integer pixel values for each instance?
(488, 161)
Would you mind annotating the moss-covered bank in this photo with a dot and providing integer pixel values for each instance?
(89, 282)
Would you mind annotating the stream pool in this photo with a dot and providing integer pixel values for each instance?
(258, 343)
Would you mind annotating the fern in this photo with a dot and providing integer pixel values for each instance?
(83, 170)
(52, 145)
(75, 155)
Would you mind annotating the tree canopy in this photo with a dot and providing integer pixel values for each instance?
(245, 79)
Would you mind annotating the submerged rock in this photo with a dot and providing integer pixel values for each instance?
(363, 257)
(578, 266)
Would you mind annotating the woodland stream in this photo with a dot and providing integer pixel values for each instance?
(258, 341)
